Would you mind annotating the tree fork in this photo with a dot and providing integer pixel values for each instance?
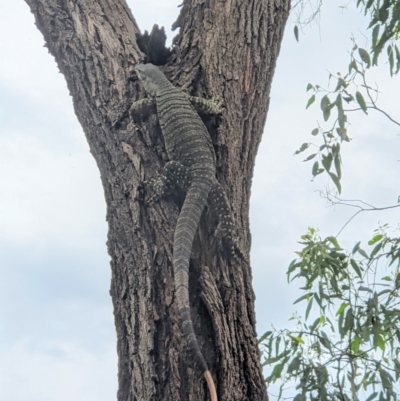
(225, 49)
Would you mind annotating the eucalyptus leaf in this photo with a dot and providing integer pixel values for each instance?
(361, 102)
(365, 56)
(311, 100)
(296, 32)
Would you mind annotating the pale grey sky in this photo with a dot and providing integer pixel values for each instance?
(54, 268)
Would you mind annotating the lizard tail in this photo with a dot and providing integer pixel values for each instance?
(211, 385)
(186, 227)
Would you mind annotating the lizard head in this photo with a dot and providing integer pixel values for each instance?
(151, 77)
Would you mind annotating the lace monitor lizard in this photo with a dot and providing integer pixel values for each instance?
(192, 168)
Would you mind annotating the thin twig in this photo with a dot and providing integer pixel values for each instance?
(343, 202)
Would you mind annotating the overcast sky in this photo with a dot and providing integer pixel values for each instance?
(54, 267)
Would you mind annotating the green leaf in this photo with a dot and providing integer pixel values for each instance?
(353, 66)
(365, 56)
(368, 5)
(341, 115)
(363, 253)
(311, 100)
(277, 343)
(336, 149)
(302, 148)
(299, 340)
(334, 242)
(375, 33)
(375, 239)
(361, 102)
(355, 344)
(391, 59)
(383, 14)
(264, 336)
(309, 306)
(336, 181)
(315, 131)
(325, 342)
(327, 161)
(296, 32)
(294, 364)
(276, 372)
(372, 396)
(309, 87)
(349, 320)
(356, 247)
(342, 132)
(340, 84)
(386, 378)
(397, 368)
(340, 324)
(326, 107)
(376, 249)
(315, 168)
(397, 281)
(356, 268)
(314, 325)
(292, 267)
(310, 157)
(397, 59)
(366, 333)
(387, 278)
(341, 309)
(303, 297)
(338, 167)
(325, 102)
(380, 45)
(380, 293)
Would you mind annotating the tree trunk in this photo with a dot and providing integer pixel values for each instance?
(226, 49)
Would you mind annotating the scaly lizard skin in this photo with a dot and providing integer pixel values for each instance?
(192, 168)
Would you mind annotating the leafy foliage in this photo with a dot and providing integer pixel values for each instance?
(346, 344)
(385, 24)
(351, 349)
(352, 88)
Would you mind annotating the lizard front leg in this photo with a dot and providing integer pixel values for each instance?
(207, 106)
(142, 105)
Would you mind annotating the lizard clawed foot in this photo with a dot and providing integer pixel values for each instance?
(216, 105)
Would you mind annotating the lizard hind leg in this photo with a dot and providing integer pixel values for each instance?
(220, 207)
(173, 175)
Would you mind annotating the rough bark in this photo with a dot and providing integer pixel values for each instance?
(226, 49)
